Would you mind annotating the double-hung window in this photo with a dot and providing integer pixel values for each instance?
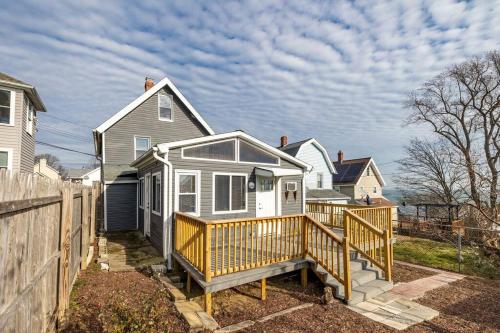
(156, 193)
(7, 107)
(5, 158)
(30, 116)
(229, 193)
(188, 191)
(165, 107)
(141, 192)
(319, 180)
(141, 145)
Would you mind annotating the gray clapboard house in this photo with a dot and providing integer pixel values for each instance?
(161, 114)
(218, 177)
(19, 103)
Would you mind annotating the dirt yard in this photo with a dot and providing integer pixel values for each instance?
(121, 302)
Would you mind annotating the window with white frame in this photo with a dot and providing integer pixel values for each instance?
(319, 178)
(141, 145)
(250, 153)
(221, 151)
(157, 193)
(6, 107)
(165, 107)
(30, 115)
(141, 192)
(188, 191)
(5, 159)
(229, 191)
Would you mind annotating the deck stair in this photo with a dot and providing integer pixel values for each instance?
(366, 281)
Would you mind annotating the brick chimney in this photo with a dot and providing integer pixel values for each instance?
(340, 156)
(148, 84)
(284, 141)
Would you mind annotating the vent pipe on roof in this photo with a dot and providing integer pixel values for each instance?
(148, 84)
(284, 141)
(340, 156)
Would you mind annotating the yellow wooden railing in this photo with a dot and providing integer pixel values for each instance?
(371, 242)
(329, 214)
(379, 217)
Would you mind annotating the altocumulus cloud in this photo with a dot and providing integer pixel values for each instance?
(338, 71)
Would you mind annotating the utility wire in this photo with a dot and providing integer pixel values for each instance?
(68, 121)
(64, 148)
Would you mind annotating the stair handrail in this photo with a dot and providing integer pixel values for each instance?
(364, 236)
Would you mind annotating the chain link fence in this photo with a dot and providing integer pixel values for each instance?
(451, 246)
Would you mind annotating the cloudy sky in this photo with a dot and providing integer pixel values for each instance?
(338, 71)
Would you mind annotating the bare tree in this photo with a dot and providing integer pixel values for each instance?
(426, 172)
(462, 107)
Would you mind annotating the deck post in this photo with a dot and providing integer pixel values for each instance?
(263, 292)
(387, 256)
(208, 244)
(208, 303)
(304, 237)
(188, 283)
(347, 268)
(303, 277)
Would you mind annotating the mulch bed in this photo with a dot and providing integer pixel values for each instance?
(121, 302)
(402, 273)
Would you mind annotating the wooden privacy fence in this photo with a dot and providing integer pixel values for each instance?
(222, 247)
(46, 231)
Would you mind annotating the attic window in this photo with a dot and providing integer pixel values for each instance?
(368, 171)
(165, 107)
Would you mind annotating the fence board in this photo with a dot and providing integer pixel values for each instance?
(36, 253)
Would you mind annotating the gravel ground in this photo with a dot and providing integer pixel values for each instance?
(121, 302)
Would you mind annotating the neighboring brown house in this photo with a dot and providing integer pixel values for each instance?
(358, 178)
(19, 103)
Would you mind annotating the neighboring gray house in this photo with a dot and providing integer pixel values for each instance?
(19, 103)
(161, 114)
(223, 176)
(319, 179)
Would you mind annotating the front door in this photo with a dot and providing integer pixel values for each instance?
(147, 204)
(265, 199)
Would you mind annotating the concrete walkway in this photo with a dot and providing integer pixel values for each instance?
(396, 309)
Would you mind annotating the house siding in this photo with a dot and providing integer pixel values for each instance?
(10, 136)
(292, 204)
(156, 222)
(310, 154)
(143, 121)
(121, 208)
(27, 156)
(366, 184)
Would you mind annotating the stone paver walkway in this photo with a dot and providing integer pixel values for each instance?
(396, 309)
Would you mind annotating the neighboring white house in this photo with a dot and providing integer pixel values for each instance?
(319, 179)
(84, 176)
(42, 169)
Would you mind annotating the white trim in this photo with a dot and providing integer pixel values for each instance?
(286, 186)
(105, 207)
(138, 101)
(322, 150)
(167, 238)
(157, 174)
(303, 189)
(197, 174)
(136, 207)
(171, 107)
(131, 181)
(230, 174)
(139, 189)
(147, 210)
(209, 159)
(278, 197)
(27, 105)
(103, 148)
(276, 172)
(12, 114)
(10, 156)
(141, 137)
(163, 147)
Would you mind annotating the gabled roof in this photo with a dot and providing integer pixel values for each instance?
(293, 149)
(350, 171)
(141, 99)
(165, 147)
(28, 88)
(325, 194)
(80, 173)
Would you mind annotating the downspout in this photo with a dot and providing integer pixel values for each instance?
(167, 219)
